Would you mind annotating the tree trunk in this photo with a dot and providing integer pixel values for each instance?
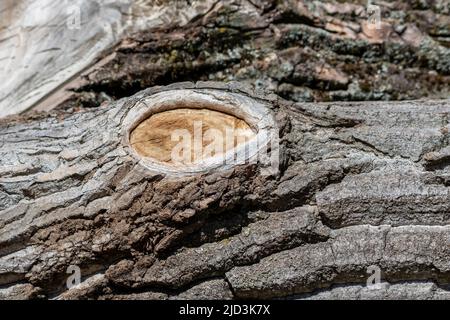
(360, 189)
(304, 51)
(359, 186)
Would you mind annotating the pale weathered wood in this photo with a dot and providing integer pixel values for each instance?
(45, 43)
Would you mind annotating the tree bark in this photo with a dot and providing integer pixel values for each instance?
(304, 51)
(359, 185)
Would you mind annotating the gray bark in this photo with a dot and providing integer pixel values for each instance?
(304, 51)
(359, 185)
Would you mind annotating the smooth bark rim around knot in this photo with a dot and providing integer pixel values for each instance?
(257, 114)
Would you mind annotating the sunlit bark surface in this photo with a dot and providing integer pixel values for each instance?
(361, 185)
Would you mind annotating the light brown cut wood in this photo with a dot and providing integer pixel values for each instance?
(159, 135)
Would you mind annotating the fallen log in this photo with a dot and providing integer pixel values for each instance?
(357, 186)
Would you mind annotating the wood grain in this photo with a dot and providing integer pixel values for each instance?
(153, 137)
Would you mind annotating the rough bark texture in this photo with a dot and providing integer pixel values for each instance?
(359, 184)
(300, 50)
